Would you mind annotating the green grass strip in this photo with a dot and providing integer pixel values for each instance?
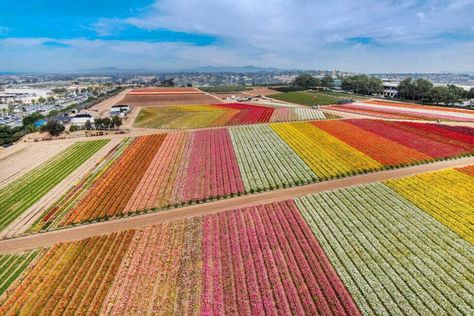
(305, 98)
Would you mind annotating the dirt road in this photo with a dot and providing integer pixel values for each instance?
(85, 231)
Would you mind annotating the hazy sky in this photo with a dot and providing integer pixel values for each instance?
(366, 36)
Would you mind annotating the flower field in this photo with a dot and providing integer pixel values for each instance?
(326, 155)
(63, 205)
(393, 258)
(362, 250)
(18, 196)
(244, 261)
(447, 195)
(405, 111)
(118, 183)
(377, 147)
(429, 144)
(69, 277)
(169, 170)
(418, 106)
(467, 170)
(266, 161)
(226, 114)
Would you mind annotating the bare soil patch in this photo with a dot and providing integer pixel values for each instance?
(260, 91)
(152, 91)
(168, 99)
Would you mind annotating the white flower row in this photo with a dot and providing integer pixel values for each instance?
(266, 161)
(309, 114)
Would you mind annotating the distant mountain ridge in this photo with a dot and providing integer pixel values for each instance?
(237, 69)
(203, 69)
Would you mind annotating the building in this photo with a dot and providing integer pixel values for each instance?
(120, 109)
(81, 119)
(390, 87)
(25, 95)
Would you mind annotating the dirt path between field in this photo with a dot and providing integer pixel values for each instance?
(85, 231)
(213, 96)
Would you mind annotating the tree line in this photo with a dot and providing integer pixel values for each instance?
(362, 84)
(306, 81)
(424, 91)
(421, 90)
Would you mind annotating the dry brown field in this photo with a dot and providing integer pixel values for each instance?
(168, 99)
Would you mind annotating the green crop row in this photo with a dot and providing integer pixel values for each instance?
(18, 196)
(306, 98)
(11, 266)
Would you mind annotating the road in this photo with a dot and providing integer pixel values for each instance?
(85, 231)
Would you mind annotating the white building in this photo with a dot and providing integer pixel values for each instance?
(390, 87)
(25, 95)
(81, 119)
(120, 109)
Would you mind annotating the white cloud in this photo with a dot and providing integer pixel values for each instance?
(28, 54)
(366, 35)
(33, 55)
(277, 23)
(106, 27)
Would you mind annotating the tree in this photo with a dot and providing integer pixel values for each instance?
(54, 128)
(422, 89)
(375, 85)
(455, 94)
(405, 88)
(9, 135)
(41, 100)
(88, 125)
(327, 82)
(448, 95)
(98, 123)
(168, 83)
(439, 94)
(116, 121)
(106, 122)
(362, 84)
(470, 94)
(73, 128)
(59, 90)
(32, 118)
(306, 81)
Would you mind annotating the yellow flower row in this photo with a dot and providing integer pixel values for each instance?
(186, 116)
(195, 119)
(326, 155)
(191, 108)
(446, 195)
